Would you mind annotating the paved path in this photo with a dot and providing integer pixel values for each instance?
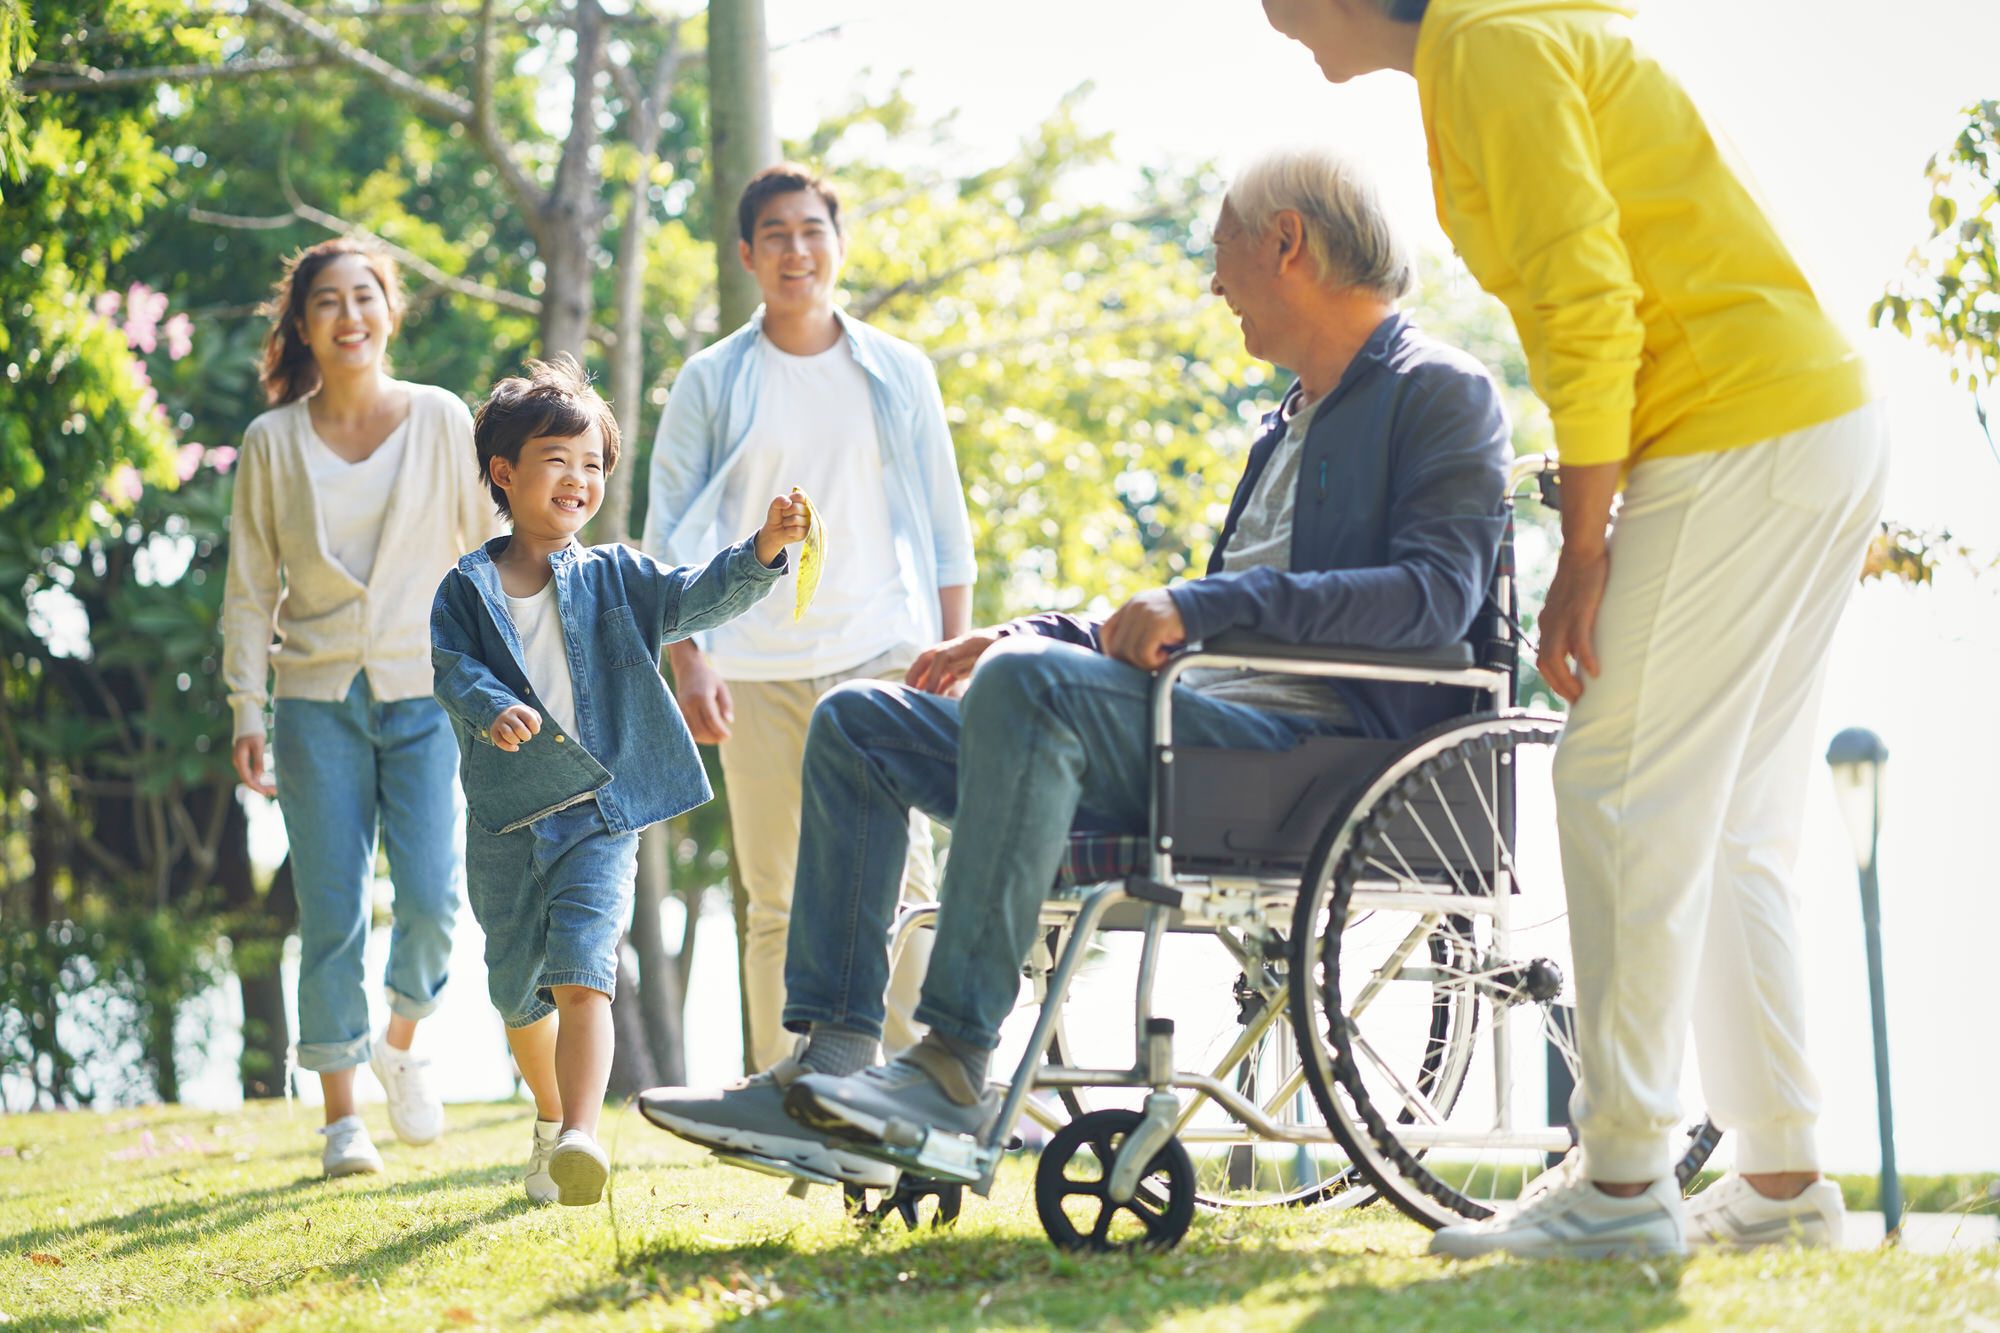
(1927, 1233)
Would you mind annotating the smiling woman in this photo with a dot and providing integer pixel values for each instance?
(354, 495)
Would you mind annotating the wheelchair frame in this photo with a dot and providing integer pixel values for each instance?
(1220, 902)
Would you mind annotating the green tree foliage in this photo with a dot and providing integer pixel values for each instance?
(1950, 294)
(1101, 403)
(74, 409)
(1949, 297)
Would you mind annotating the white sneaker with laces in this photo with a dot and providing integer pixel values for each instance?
(1573, 1219)
(349, 1151)
(541, 1185)
(579, 1168)
(416, 1112)
(1731, 1214)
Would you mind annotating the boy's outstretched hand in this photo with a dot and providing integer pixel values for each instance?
(513, 728)
(784, 525)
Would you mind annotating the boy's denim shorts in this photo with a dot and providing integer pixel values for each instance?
(554, 899)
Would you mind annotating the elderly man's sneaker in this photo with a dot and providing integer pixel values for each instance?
(416, 1112)
(924, 1087)
(540, 1184)
(749, 1117)
(1731, 1214)
(579, 1168)
(1574, 1219)
(349, 1151)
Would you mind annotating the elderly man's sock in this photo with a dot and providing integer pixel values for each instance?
(973, 1060)
(837, 1050)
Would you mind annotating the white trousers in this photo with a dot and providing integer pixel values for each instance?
(1680, 785)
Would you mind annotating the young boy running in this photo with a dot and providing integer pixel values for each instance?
(546, 654)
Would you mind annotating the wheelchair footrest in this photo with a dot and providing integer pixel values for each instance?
(772, 1166)
(952, 1158)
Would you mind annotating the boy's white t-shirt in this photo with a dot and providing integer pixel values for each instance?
(815, 429)
(539, 623)
(353, 497)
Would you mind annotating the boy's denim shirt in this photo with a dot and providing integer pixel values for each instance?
(632, 750)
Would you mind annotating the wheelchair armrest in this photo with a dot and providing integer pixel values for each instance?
(1452, 657)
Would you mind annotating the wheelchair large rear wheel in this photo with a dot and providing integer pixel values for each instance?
(1440, 890)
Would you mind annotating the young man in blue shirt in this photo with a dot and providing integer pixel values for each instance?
(546, 659)
(806, 395)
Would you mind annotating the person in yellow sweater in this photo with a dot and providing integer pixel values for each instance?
(1683, 357)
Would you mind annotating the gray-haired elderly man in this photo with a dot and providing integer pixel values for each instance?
(1369, 516)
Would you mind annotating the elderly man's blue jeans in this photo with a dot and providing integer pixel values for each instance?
(1049, 737)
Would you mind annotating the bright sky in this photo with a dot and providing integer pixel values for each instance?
(1834, 107)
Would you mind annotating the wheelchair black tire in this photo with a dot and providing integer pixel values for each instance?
(1331, 1069)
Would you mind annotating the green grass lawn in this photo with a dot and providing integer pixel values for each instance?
(170, 1219)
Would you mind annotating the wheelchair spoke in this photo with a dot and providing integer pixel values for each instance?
(1413, 1100)
(1459, 833)
(1383, 974)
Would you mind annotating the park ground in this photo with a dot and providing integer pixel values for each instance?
(172, 1219)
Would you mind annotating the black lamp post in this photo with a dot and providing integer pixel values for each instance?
(1857, 757)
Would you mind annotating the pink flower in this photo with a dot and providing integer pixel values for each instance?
(187, 461)
(144, 308)
(180, 336)
(106, 305)
(125, 484)
(222, 457)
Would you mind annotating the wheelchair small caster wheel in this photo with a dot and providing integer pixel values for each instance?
(906, 1201)
(1075, 1173)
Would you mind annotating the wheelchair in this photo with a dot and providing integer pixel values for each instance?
(1367, 946)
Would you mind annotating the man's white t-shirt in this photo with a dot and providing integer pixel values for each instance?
(353, 497)
(815, 429)
(538, 621)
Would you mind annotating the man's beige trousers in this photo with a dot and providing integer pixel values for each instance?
(1680, 789)
(761, 762)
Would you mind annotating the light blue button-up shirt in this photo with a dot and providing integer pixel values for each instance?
(714, 405)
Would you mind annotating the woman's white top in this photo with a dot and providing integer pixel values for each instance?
(354, 497)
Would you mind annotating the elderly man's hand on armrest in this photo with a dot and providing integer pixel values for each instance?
(1145, 632)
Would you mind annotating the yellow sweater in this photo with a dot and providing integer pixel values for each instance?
(1659, 310)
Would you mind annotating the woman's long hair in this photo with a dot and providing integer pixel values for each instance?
(289, 370)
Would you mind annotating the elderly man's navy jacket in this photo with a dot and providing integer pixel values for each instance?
(1396, 527)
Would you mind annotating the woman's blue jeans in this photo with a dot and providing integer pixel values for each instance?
(343, 769)
(1050, 736)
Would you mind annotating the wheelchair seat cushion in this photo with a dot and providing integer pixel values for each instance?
(1093, 858)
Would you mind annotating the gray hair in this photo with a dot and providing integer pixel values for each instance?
(1347, 234)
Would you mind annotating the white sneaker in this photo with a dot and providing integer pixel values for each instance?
(349, 1151)
(579, 1168)
(541, 1185)
(1574, 1219)
(1731, 1214)
(416, 1112)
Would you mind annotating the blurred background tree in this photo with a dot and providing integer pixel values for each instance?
(1101, 403)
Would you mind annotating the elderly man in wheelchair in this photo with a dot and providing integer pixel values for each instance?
(1269, 789)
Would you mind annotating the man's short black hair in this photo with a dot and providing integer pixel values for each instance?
(785, 178)
(549, 400)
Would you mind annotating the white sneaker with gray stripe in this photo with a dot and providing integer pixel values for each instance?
(1731, 1214)
(1576, 1220)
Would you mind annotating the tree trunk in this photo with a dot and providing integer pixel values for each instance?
(570, 222)
(661, 998)
(632, 1067)
(741, 144)
(267, 1037)
(741, 140)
